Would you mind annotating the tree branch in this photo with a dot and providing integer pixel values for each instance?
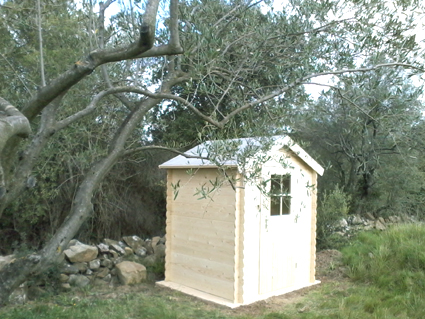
(93, 104)
(301, 81)
(141, 48)
(101, 23)
(13, 123)
(18, 123)
(40, 44)
(372, 68)
(315, 30)
(174, 26)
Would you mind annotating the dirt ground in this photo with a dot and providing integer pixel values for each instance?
(328, 268)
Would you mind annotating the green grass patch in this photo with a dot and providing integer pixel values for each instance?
(393, 263)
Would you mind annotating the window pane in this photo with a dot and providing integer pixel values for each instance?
(280, 195)
(275, 205)
(286, 184)
(275, 185)
(286, 200)
(286, 205)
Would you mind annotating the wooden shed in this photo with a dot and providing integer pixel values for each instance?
(241, 220)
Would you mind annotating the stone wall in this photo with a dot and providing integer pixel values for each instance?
(109, 263)
(355, 223)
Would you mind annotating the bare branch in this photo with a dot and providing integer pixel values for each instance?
(315, 30)
(93, 104)
(40, 44)
(227, 118)
(17, 123)
(355, 104)
(342, 96)
(174, 26)
(233, 16)
(101, 21)
(12, 123)
(101, 24)
(301, 81)
(184, 102)
(372, 68)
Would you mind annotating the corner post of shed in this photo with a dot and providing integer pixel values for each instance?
(168, 222)
(239, 238)
(313, 229)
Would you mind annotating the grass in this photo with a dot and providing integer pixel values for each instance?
(387, 280)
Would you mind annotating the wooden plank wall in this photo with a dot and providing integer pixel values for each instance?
(200, 249)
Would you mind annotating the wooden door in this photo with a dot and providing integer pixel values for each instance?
(277, 242)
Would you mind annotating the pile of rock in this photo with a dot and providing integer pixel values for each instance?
(111, 261)
(108, 263)
(356, 223)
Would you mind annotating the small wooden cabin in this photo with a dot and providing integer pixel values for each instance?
(241, 227)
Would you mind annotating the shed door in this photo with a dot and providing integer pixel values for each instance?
(277, 236)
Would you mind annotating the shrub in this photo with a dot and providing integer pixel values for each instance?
(333, 206)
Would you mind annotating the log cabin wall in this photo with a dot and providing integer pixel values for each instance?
(201, 233)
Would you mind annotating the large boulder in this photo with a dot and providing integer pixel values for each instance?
(81, 253)
(130, 272)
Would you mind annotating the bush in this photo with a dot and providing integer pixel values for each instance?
(332, 207)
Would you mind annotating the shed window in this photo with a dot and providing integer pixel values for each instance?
(280, 195)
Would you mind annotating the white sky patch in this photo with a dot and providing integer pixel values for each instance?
(277, 6)
(318, 85)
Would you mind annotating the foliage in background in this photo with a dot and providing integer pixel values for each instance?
(332, 207)
(365, 132)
